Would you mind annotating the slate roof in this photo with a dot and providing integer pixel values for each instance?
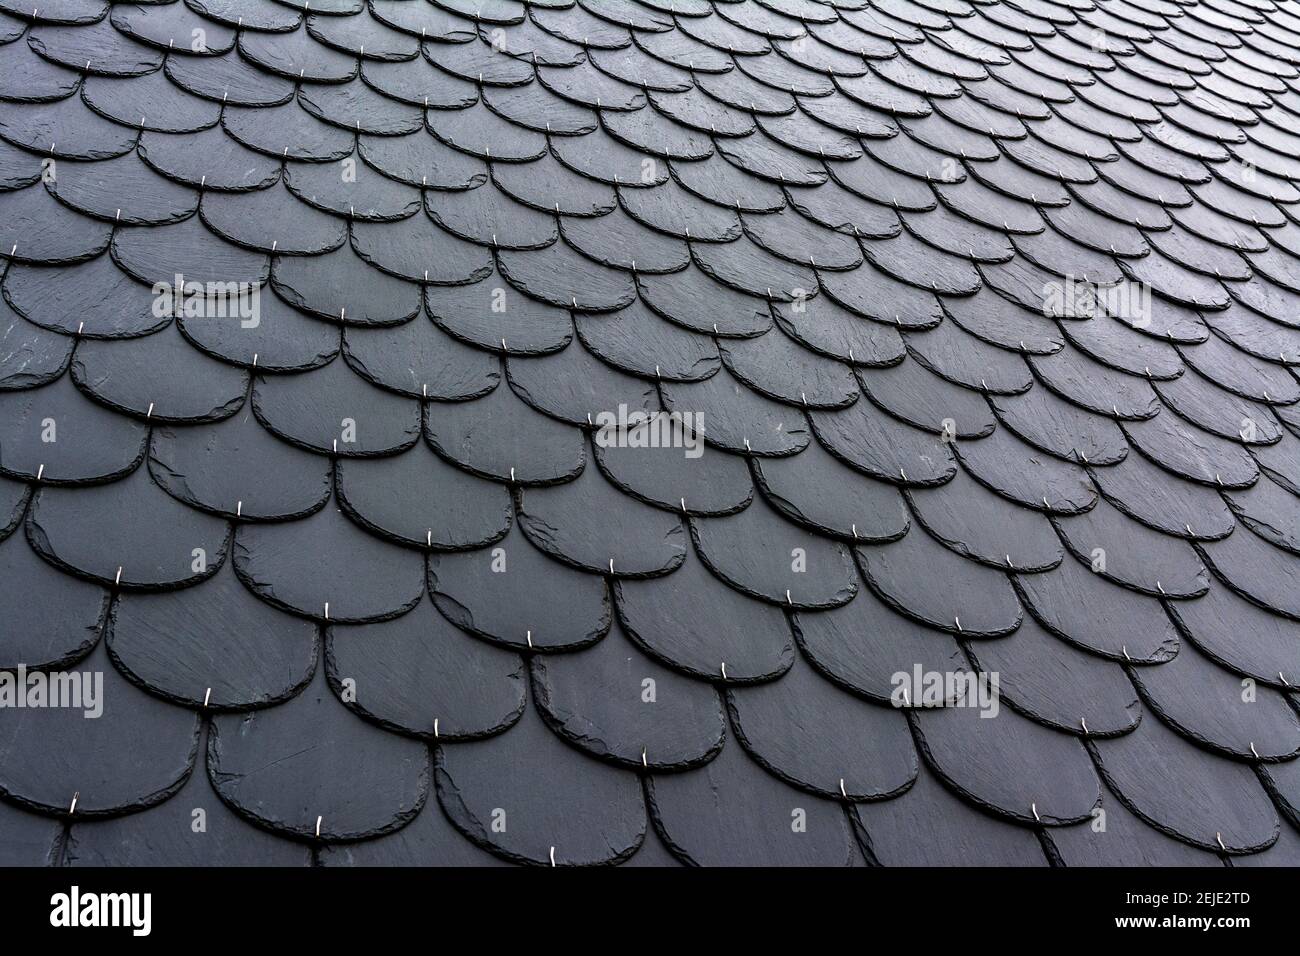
(828, 226)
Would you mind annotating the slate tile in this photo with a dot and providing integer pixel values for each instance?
(669, 209)
(208, 159)
(932, 827)
(352, 190)
(1129, 553)
(419, 675)
(913, 394)
(193, 828)
(1002, 322)
(883, 447)
(607, 701)
(228, 78)
(179, 645)
(326, 285)
(1062, 429)
(1081, 607)
(428, 840)
(159, 376)
(506, 594)
(30, 79)
(278, 768)
(670, 351)
(66, 128)
(874, 295)
(58, 434)
(97, 48)
(127, 533)
(421, 160)
(171, 25)
(310, 567)
(618, 240)
(815, 489)
(29, 355)
(30, 839)
(587, 524)
(287, 131)
(814, 736)
(893, 571)
(1053, 683)
(38, 229)
(545, 819)
(122, 190)
(238, 470)
(255, 14)
(1125, 841)
(731, 813)
(1142, 492)
(723, 183)
(695, 623)
(135, 754)
(159, 253)
(976, 524)
(652, 132)
(53, 620)
(948, 232)
(149, 102)
(1187, 793)
(824, 327)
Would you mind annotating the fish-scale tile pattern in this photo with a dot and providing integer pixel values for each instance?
(631, 392)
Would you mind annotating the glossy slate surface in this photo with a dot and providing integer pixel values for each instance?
(367, 587)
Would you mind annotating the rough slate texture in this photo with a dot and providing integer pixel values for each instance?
(827, 225)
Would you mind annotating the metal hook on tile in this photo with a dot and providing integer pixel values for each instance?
(117, 579)
(40, 471)
(318, 820)
(1083, 722)
(724, 670)
(529, 637)
(644, 760)
(1219, 839)
(843, 793)
(327, 610)
(1037, 818)
(552, 856)
(73, 808)
(207, 696)
(1253, 751)
(435, 728)
(958, 622)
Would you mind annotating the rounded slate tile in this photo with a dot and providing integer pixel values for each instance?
(418, 499)
(159, 253)
(229, 77)
(928, 583)
(1143, 492)
(54, 620)
(767, 557)
(212, 645)
(508, 594)
(1023, 474)
(417, 250)
(576, 387)
(56, 434)
(419, 675)
(65, 128)
(883, 447)
(815, 489)
(492, 315)
(1128, 553)
(826, 328)
(717, 633)
(93, 299)
(135, 752)
(676, 297)
(238, 470)
(333, 410)
(817, 737)
(428, 840)
(1185, 792)
(287, 131)
(589, 524)
(673, 478)
(1008, 764)
(1255, 569)
(159, 377)
(1081, 607)
(501, 437)
(513, 794)
(126, 533)
(977, 524)
(1053, 683)
(36, 228)
(614, 702)
(272, 219)
(420, 360)
(30, 356)
(1182, 448)
(168, 835)
(122, 190)
(280, 769)
(1061, 428)
(341, 286)
(326, 568)
(930, 826)
(780, 368)
(149, 102)
(638, 341)
(275, 338)
(737, 419)
(731, 813)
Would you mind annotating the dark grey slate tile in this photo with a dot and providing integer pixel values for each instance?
(507, 594)
(1142, 491)
(279, 769)
(136, 753)
(731, 813)
(1121, 839)
(182, 645)
(51, 620)
(150, 102)
(36, 228)
(419, 675)
(65, 128)
(616, 703)
(326, 285)
(30, 356)
(1185, 792)
(512, 794)
(492, 315)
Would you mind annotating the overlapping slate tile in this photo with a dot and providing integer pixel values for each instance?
(929, 460)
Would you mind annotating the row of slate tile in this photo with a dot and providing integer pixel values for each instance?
(744, 410)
